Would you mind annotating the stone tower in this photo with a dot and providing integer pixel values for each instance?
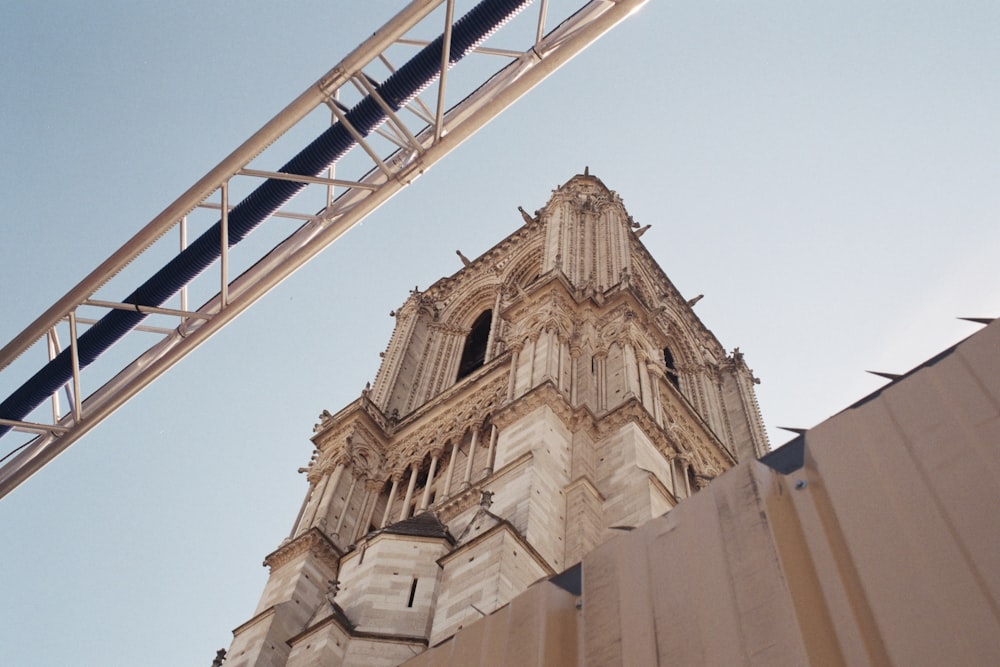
(554, 391)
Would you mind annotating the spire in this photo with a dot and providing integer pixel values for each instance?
(588, 233)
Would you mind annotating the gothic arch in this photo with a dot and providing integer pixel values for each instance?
(644, 281)
(524, 269)
(466, 306)
(680, 340)
(365, 459)
(475, 347)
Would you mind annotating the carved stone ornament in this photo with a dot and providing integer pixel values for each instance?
(311, 542)
(467, 412)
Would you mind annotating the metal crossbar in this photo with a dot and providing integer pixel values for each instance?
(436, 128)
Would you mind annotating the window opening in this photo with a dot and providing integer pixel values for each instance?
(668, 361)
(474, 351)
(413, 593)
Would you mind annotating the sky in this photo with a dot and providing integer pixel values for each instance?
(824, 173)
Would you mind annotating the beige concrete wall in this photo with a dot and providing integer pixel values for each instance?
(882, 549)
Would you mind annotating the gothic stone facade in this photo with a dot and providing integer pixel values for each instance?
(556, 390)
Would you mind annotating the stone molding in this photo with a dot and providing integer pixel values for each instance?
(312, 542)
(708, 456)
(243, 627)
(584, 483)
(661, 487)
(503, 526)
(345, 625)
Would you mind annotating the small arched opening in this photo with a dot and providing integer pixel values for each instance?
(671, 367)
(474, 351)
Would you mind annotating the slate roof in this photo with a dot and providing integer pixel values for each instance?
(425, 524)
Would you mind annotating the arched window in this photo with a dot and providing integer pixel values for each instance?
(668, 362)
(474, 352)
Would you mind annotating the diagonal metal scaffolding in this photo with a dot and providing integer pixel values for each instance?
(412, 136)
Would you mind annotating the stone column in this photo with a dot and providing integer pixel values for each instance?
(574, 375)
(673, 477)
(362, 510)
(657, 375)
(297, 526)
(388, 503)
(347, 504)
(311, 515)
(425, 500)
(373, 488)
(645, 391)
(631, 370)
(601, 359)
(495, 324)
(531, 360)
(493, 449)
(451, 469)
(515, 353)
(331, 488)
(550, 357)
(472, 455)
(405, 509)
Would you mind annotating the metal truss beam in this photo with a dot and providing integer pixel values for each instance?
(438, 130)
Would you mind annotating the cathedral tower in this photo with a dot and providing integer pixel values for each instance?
(555, 390)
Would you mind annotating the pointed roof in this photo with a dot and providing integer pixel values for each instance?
(585, 177)
(425, 524)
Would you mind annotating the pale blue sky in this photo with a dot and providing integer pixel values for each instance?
(825, 173)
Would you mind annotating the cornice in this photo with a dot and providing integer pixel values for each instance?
(586, 484)
(345, 625)
(312, 542)
(545, 394)
(270, 611)
(369, 541)
(330, 425)
(339, 619)
(503, 526)
(661, 487)
(710, 455)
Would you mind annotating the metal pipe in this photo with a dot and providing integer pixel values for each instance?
(146, 310)
(224, 245)
(184, 240)
(74, 349)
(475, 111)
(316, 158)
(299, 108)
(443, 80)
